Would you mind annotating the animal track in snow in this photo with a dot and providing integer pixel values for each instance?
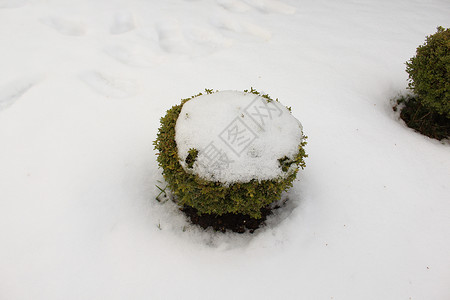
(64, 26)
(234, 5)
(109, 86)
(123, 22)
(14, 90)
(272, 6)
(135, 56)
(12, 3)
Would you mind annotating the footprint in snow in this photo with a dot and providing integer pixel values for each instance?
(134, 55)
(122, 23)
(235, 6)
(66, 27)
(193, 40)
(171, 38)
(242, 27)
(149, 34)
(272, 6)
(12, 92)
(109, 86)
(12, 3)
(205, 40)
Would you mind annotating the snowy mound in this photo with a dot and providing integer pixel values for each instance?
(239, 137)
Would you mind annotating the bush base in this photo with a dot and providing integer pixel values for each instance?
(239, 223)
(421, 119)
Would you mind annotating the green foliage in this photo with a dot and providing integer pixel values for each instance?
(161, 192)
(429, 72)
(190, 159)
(285, 163)
(213, 197)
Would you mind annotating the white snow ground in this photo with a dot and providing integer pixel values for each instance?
(83, 85)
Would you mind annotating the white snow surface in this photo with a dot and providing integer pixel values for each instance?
(83, 85)
(239, 137)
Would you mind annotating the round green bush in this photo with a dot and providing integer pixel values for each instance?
(429, 72)
(216, 198)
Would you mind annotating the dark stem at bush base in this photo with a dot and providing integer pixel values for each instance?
(421, 119)
(239, 223)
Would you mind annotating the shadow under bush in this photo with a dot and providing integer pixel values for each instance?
(422, 119)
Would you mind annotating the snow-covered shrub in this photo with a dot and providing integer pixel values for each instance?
(429, 72)
(427, 109)
(229, 152)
